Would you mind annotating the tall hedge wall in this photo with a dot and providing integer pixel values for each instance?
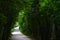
(41, 20)
(9, 10)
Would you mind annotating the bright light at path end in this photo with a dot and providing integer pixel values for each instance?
(16, 33)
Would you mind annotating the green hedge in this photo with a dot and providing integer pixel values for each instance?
(39, 22)
(9, 10)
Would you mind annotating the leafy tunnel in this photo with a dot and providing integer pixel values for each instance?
(38, 19)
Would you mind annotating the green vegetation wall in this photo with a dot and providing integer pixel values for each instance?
(9, 10)
(41, 21)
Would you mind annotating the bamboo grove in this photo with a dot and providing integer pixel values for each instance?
(38, 19)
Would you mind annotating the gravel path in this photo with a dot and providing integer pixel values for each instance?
(16, 35)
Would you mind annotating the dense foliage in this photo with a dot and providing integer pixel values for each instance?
(41, 20)
(37, 18)
(9, 10)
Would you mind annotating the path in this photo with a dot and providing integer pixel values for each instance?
(18, 35)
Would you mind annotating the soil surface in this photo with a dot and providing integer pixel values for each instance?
(17, 35)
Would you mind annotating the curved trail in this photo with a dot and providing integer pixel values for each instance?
(16, 35)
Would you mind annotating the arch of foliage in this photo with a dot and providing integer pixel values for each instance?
(35, 17)
(41, 19)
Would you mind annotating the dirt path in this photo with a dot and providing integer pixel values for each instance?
(18, 35)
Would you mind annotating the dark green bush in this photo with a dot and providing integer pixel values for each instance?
(41, 21)
(9, 10)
